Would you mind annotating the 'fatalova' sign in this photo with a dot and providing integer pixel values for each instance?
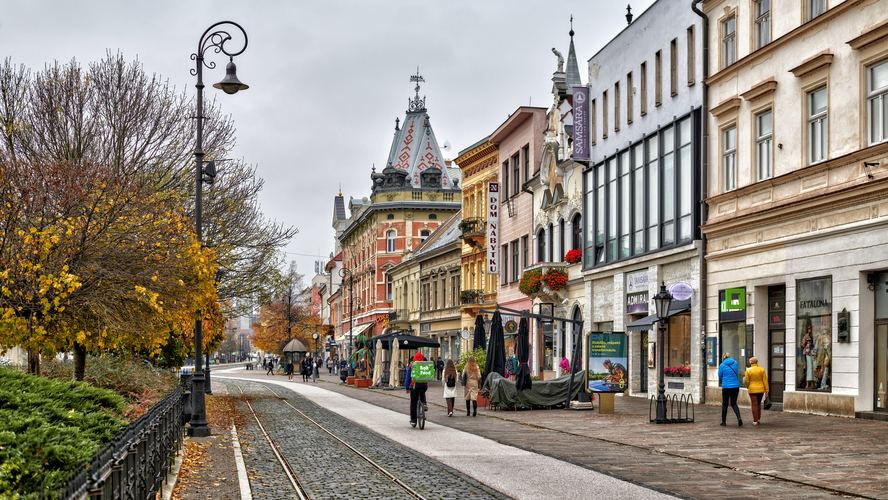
(493, 205)
(580, 123)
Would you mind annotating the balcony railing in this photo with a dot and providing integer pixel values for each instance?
(399, 315)
(471, 297)
(473, 226)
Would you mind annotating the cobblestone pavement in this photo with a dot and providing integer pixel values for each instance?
(325, 467)
(788, 456)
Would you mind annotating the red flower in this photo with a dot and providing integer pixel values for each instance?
(573, 256)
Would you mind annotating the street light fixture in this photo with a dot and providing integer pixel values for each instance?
(346, 274)
(215, 39)
(661, 303)
(315, 336)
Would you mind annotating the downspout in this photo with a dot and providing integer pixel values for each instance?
(704, 150)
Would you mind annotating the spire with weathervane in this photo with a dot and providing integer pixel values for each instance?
(573, 69)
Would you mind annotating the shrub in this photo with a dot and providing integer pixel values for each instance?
(48, 427)
(138, 382)
(480, 358)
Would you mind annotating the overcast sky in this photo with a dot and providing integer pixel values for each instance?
(328, 77)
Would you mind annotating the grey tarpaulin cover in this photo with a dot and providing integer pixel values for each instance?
(504, 394)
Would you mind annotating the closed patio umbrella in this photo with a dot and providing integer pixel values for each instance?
(377, 363)
(394, 365)
(522, 351)
(479, 341)
(496, 348)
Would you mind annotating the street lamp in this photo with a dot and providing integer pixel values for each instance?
(661, 303)
(315, 336)
(346, 274)
(215, 39)
(289, 321)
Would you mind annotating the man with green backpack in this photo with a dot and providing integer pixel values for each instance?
(419, 374)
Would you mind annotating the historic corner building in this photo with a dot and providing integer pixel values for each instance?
(643, 191)
(797, 233)
(479, 164)
(557, 223)
(410, 198)
(427, 288)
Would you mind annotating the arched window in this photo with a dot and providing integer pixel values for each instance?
(551, 244)
(541, 245)
(390, 241)
(577, 237)
(423, 235)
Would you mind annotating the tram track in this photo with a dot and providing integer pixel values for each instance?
(301, 490)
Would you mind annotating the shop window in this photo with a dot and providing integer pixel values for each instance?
(877, 102)
(678, 341)
(733, 341)
(814, 334)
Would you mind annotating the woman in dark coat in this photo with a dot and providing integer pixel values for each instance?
(304, 370)
(290, 369)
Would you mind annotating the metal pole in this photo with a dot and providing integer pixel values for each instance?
(661, 393)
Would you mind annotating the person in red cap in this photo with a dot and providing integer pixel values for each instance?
(417, 390)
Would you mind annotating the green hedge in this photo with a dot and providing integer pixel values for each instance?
(48, 427)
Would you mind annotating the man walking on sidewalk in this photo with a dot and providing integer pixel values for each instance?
(270, 369)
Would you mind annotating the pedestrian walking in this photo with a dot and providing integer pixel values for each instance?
(471, 376)
(269, 370)
(303, 369)
(314, 370)
(329, 366)
(449, 375)
(756, 381)
(417, 390)
(290, 370)
(729, 380)
(439, 368)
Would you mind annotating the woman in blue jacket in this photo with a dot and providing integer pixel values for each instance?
(729, 380)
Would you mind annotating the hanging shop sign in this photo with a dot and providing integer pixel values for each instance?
(580, 123)
(465, 334)
(732, 304)
(608, 359)
(681, 291)
(493, 206)
(637, 292)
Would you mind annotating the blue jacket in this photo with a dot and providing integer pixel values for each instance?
(728, 376)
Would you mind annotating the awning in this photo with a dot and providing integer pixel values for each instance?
(404, 341)
(676, 307)
(359, 330)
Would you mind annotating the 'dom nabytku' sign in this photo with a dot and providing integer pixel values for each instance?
(493, 205)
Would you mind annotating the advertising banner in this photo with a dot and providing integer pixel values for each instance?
(608, 362)
(493, 248)
(580, 123)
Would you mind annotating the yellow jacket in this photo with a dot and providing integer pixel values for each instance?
(756, 380)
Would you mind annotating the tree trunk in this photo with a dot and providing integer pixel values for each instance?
(34, 363)
(79, 361)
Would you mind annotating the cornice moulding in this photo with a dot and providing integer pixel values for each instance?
(760, 89)
(875, 34)
(812, 64)
(723, 107)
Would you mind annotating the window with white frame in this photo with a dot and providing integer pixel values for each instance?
(729, 41)
(762, 23)
(817, 126)
(815, 8)
(763, 145)
(390, 241)
(388, 287)
(729, 158)
(877, 102)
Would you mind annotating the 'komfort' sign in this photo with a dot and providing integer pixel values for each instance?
(493, 205)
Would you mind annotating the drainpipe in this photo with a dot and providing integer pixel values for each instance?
(704, 122)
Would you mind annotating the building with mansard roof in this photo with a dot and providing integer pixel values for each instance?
(416, 192)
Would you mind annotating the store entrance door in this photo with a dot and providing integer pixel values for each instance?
(881, 362)
(777, 365)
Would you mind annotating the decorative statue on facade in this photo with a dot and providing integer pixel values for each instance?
(560, 60)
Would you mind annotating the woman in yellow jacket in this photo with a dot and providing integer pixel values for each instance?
(757, 384)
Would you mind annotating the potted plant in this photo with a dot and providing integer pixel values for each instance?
(531, 282)
(556, 279)
(573, 256)
(363, 354)
(677, 371)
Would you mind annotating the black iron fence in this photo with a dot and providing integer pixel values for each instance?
(136, 462)
(472, 225)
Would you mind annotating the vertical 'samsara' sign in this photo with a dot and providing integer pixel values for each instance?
(493, 206)
(581, 123)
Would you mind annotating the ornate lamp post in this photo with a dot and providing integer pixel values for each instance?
(215, 38)
(315, 336)
(661, 303)
(346, 274)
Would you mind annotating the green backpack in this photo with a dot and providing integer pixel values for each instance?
(422, 371)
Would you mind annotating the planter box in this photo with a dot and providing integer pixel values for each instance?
(363, 382)
(483, 401)
(350, 380)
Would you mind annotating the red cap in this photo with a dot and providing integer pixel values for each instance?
(418, 357)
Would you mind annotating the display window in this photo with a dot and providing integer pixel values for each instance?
(678, 342)
(733, 341)
(814, 334)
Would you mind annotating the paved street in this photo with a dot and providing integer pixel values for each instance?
(787, 456)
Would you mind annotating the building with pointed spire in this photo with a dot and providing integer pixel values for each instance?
(415, 192)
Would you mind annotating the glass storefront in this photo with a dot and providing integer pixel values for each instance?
(814, 334)
(733, 340)
(880, 385)
(678, 341)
